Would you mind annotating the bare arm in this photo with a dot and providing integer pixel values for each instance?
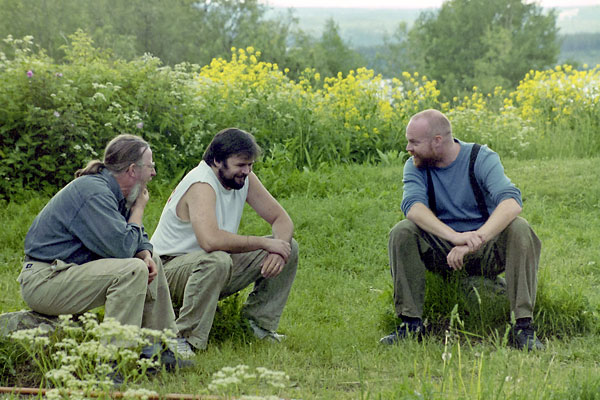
(282, 226)
(137, 210)
(199, 204)
(503, 215)
(270, 210)
(425, 219)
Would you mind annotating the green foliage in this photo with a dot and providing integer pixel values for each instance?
(12, 361)
(484, 43)
(83, 355)
(338, 306)
(176, 31)
(54, 118)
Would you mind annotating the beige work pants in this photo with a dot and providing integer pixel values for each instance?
(198, 280)
(121, 285)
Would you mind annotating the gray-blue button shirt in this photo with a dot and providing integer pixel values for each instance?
(86, 221)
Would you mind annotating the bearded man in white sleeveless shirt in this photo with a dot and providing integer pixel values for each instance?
(204, 257)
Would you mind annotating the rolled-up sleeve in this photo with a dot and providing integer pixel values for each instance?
(105, 231)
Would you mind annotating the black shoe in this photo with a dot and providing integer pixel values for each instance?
(402, 331)
(166, 357)
(524, 338)
(115, 376)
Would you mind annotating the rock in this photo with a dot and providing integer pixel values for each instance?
(15, 321)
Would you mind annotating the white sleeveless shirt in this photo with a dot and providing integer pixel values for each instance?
(173, 236)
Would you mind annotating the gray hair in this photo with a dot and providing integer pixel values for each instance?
(120, 153)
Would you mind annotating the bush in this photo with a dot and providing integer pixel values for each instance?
(55, 118)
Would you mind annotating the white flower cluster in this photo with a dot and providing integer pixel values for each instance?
(238, 379)
(83, 354)
(277, 379)
(142, 394)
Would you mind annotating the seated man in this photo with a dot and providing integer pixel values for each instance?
(206, 260)
(461, 212)
(87, 247)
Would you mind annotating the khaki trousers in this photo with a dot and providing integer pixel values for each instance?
(199, 280)
(412, 251)
(119, 284)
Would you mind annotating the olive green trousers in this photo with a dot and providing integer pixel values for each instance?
(515, 251)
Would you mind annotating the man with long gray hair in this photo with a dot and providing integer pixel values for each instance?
(88, 248)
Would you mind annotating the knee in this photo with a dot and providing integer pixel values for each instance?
(294, 252)
(519, 231)
(139, 268)
(292, 261)
(519, 228)
(402, 230)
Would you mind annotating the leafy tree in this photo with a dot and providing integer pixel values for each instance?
(174, 31)
(336, 55)
(394, 56)
(483, 43)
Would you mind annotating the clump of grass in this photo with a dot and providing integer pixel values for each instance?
(484, 308)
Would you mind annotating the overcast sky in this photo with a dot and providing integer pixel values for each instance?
(405, 3)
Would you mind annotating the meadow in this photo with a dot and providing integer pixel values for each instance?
(341, 301)
(334, 158)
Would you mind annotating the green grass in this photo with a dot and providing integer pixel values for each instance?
(340, 304)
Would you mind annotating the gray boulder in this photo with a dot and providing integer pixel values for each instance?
(18, 320)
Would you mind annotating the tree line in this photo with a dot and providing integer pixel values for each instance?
(465, 43)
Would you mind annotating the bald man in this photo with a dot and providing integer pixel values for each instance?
(462, 213)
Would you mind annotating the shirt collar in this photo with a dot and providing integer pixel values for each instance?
(113, 185)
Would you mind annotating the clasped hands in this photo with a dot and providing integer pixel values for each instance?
(465, 243)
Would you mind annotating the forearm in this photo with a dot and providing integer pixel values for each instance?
(136, 216)
(502, 216)
(283, 228)
(230, 242)
(425, 219)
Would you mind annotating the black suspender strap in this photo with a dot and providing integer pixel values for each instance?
(479, 197)
(431, 193)
(476, 188)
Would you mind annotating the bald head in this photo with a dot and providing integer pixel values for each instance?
(435, 123)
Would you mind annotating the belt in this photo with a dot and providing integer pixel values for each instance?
(165, 259)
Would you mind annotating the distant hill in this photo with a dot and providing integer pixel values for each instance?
(366, 28)
(358, 26)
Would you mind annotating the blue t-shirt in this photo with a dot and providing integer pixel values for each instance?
(455, 201)
(86, 221)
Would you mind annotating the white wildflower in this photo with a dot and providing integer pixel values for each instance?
(143, 394)
(97, 96)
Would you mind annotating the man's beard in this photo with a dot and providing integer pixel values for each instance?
(231, 183)
(424, 162)
(133, 195)
(427, 160)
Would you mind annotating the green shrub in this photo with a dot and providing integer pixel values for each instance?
(55, 118)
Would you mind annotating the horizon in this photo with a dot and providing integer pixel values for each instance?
(405, 4)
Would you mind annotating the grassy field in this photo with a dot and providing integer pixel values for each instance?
(341, 301)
